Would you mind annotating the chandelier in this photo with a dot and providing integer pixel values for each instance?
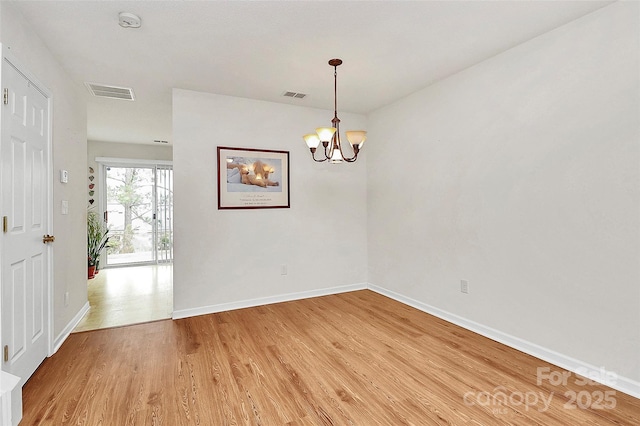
(330, 136)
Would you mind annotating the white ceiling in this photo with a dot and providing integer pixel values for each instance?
(260, 49)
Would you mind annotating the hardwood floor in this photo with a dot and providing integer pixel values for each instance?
(129, 295)
(350, 359)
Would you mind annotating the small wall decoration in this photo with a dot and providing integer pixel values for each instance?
(252, 178)
(91, 185)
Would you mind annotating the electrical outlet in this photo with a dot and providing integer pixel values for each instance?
(464, 286)
(66, 298)
(283, 269)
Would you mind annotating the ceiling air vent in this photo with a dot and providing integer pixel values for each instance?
(294, 95)
(113, 92)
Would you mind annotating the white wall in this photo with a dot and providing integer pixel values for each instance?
(234, 256)
(521, 176)
(70, 153)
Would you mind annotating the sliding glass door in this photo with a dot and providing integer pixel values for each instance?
(164, 214)
(139, 212)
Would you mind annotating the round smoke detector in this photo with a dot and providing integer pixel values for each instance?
(129, 20)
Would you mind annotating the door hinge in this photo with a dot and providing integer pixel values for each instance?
(4, 224)
(5, 96)
(6, 353)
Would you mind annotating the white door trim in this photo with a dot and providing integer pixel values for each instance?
(126, 162)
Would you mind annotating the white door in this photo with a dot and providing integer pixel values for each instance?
(24, 150)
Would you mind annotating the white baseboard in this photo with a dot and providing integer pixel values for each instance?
(623, 384)
(185, 313)
(69, 328)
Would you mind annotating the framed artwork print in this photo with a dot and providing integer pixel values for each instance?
(252, 178)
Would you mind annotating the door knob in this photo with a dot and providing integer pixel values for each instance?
(48, 239)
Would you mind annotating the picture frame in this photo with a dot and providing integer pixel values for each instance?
(250, 178)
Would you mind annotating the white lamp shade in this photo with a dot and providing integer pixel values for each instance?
(356, 137)
(312, 140)
(336, 157)
(325, 133)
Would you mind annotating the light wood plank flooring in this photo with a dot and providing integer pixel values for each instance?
(129, 295)
(357, 358)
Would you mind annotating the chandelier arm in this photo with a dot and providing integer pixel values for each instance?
(344, 157)
(328, 149)
(313, 155)
(348, 159)
(316, 160)
(339, 144)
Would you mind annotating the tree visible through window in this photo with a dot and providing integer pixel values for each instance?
(139, 210)
(130, 213)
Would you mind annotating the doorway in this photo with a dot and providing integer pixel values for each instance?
(135, 282)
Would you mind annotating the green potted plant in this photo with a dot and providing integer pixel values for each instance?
(97, 239)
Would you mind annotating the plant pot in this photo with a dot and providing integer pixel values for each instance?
(92, 271)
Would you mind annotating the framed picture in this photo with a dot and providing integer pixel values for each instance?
(252, 178)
